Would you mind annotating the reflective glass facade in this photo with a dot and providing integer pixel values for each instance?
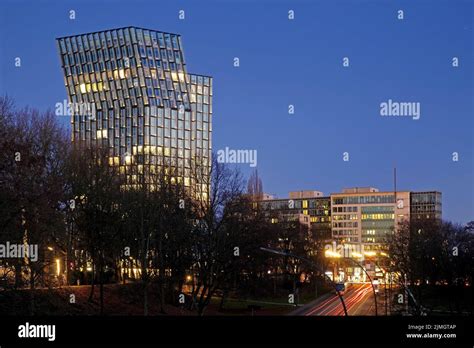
(377, 223)
(148, 109)
(317, 208)
(425, 205)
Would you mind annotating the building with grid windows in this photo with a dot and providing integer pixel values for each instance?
(147, 109)
(361, 216)
(425, 205)
(310, 204)
(365, 215)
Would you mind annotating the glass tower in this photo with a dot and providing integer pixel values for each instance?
(425, 205)
(142, 103)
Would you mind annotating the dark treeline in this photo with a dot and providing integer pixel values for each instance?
(96, 222)
(135, 223)
(429, 256)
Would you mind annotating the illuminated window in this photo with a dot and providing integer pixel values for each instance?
(83, 88)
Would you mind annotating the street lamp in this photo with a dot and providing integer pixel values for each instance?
(386, 277)
(330, 253)
(370, 253)
(287, 254)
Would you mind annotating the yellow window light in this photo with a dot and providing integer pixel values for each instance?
(58, 267)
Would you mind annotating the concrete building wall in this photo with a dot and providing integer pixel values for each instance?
(367, 216)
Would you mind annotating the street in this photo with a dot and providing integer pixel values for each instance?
(358, 299)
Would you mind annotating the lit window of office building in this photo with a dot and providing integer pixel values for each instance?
(361, 215)
(366, 216)
(425, 205)
(146, 108)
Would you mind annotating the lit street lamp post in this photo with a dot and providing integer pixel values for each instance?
(287, 254)
(385, 277)
(333, 254)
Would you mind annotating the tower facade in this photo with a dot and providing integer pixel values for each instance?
(130, 92)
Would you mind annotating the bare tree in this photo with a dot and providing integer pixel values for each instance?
(95, 184)
(33, 151)
(213, 248)
(255, 186)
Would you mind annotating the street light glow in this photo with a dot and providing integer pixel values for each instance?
(58, 267)
(330, 253)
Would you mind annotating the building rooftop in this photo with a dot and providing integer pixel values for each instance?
(360, 190)
(305, 194)
(105, 30)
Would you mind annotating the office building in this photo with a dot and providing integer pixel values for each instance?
(360, 216)
(425, 205)
(147, 109)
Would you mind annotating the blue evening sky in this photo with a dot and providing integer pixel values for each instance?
(296, 62)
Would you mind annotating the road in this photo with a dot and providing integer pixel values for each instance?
(358, 298)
